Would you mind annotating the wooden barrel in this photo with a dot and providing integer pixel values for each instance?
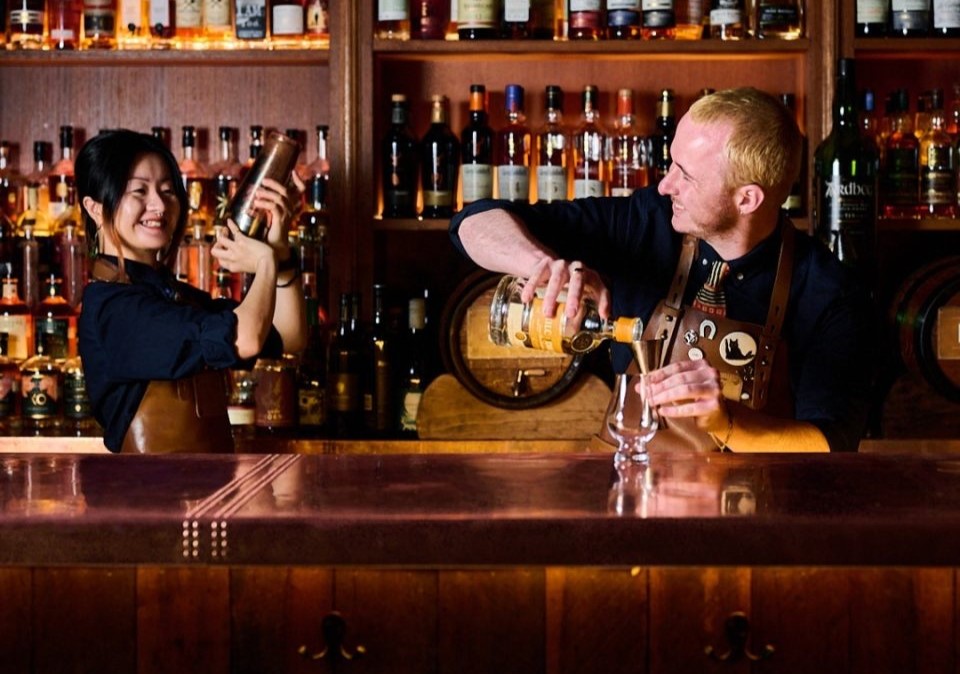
(926, 316)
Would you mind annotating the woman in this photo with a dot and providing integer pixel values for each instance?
(154, 350)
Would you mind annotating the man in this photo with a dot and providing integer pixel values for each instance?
(768, 337)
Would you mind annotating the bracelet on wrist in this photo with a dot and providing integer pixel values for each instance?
(293, 277)
(722, 444)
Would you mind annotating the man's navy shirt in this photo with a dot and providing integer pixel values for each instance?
(829, 326)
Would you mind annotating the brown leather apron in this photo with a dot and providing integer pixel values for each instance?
(748, 356)
(187, 415)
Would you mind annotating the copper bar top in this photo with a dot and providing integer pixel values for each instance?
(435, 510)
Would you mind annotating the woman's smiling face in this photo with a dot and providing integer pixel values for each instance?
(146, 217)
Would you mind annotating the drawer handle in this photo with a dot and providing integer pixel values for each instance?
(736, 628)
(334, 629)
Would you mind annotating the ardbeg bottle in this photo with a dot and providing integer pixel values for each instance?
(399, 163)
(439, 163)
(845, 181)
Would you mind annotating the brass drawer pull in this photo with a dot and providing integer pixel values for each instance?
(736, 628)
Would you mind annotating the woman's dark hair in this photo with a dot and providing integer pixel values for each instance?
(102, 169)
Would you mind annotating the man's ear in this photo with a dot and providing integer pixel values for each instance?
(94, 209)
(749, 198)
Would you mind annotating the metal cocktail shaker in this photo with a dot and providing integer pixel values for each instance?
(276, 160)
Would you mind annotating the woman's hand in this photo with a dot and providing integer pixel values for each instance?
(282, 205)
(239, 252)
(579, 281)
(690, 388)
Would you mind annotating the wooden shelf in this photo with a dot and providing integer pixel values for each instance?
(607, 48)
(410, 224)
(918, 225)
(899, 48)
(169, 57)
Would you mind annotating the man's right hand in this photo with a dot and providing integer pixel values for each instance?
(578, 280)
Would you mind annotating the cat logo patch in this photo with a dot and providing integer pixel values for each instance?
(738, 349)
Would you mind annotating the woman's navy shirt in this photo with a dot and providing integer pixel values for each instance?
(154, 327)
(829, 326)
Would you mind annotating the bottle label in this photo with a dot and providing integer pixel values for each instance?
(409, 409)
(216, 14)
(936, 187)
(76, 402)
(872, 11)
(17, 328)
(60, 34)
(392, 10)
(287, 20)
(188, 14)
(312, 406)
(276, 405)
(318, 22)
(516, 11)
(477, 14)
(725, 17)
(551, 183)
(946, 14)
(57, 334)
(848, 213)
(437, 198)
(130, 17)
(99, 19)
(251, 19)
(587, 188)
(621, 191)
(902, 175)
(345, 392)
(909, 5)
(584, 6)
(513, 183)
(628, 5)
(477, 182)
(41, 395)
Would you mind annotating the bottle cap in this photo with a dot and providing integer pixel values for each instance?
(514, 98)
(554, 97)
(624, 102)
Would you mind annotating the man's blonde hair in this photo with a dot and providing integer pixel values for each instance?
(765, 143)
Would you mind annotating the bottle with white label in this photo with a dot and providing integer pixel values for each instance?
(553, 151)
(513, 150)
(590, 149)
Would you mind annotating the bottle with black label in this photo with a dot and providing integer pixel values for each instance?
(873, 18)
(399, 163)
(41, 388)
(413, 378)
(439, 163)
(845, 182)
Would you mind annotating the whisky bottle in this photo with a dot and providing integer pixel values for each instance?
(29, 259)
(663, 134)
(945, 19)
(27, 20)
(900, 172)
(64, 18)
(793, 204)
(162, 16)
(217, 23)
(60, 179)
(194, 260)
(623, 19)
(275, 396)
(11, 184)
(36, 190)
(41, 390)
(543, 19)
(845, 182)
(778, 19)
(133, 31)
(253, 150)
(316, 28)
(73, 263)
(921, 118)
(439, 163)
(286, 23)
(513, 323)
(726, 20)
(188, 23)
(196, 180)
(344, 374)
(590, 149)
(393, 20)
(584, 19)
(909, 18)
(477, 19)
(659, 20)
(399, 163)
(15, 320)
(311, 369)
(99, 24)
(873, 18)
(938, 175)
(9, 389)
(513, 150)
(378, 380)
(476, 147)
(413, 377)
(515, 19)
(429, 19)
(251, 21)
(317, 174)
(78, 418)
(690, 19)
(55, 321)
(553, 149)
(628, 171)
(225, 176)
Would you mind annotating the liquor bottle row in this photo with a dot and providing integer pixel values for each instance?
(908, 18)
(40, 224)
(589, 19)
(351, 381)
(432, 176)
(918, 151)
(165, 24)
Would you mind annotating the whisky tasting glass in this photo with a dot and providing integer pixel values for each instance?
(631, 420)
